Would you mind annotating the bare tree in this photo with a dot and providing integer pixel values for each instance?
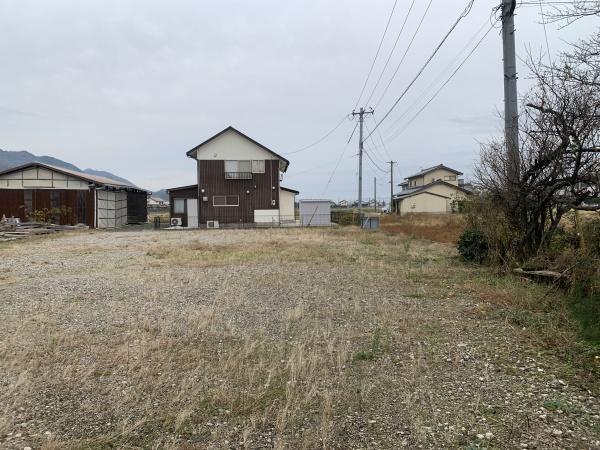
(560, 157)
(569, 12)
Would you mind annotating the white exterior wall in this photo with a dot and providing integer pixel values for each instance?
(111, 208)
(266, 216)
(231, 146)
(41, 178)
(439, 175)
(286, 205)
(424, 203)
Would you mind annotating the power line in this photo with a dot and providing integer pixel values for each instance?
(374, 147)
(340, 159)
(376, 54)
(405, 53)
(391, 51)
(545, 33)
(431, 85)
(460, 17)
(375, 164)
(329, 133)
(381, 139)
(444, 84)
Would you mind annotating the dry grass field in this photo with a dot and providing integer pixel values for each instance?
(435, 227)
(291, 338)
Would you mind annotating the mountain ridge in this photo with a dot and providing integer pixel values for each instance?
(10, 158)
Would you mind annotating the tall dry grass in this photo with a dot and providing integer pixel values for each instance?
(444, 228)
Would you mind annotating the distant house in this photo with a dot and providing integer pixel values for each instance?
(432, 190)
(155, 202)
(238, 182)
(343, 203)
(70, 197)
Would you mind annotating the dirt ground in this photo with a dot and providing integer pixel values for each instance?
(274, 339)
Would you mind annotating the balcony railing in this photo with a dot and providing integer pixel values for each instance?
(238, 175)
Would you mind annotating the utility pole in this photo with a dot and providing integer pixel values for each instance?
(360, 115)
(375, 192)
(390, 208)
(511, 108)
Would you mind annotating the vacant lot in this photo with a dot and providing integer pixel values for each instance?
(281, 338)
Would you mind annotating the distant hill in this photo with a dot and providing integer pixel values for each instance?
(10, 159)
(162, 194)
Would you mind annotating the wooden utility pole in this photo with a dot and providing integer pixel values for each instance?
(511, 107)
(360, 115)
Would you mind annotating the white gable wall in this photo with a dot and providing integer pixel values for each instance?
(231, 146)
(41, 178)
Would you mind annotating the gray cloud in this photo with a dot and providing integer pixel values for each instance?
(130, 85)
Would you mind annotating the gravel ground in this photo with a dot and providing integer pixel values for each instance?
(269, 339)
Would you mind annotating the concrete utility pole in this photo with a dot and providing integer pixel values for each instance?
(390, 208)
(511, 108)
(375, 192)
(360, 115)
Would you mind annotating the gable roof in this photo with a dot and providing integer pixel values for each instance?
(417, 190)
(192, 153)
(180, 188)
(103, 181)
(431, 169)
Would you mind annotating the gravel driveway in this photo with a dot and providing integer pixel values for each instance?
(269, 339)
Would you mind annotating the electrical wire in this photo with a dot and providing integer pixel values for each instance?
(545, 33)
(462, 15)
(405, 53)
(321, 139)
(387, 25)
(391, 51)
(392, 128)
(374, 147)
(339, 160)
(444, 84)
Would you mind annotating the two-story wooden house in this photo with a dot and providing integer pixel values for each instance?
(432, 190)
(238, 182)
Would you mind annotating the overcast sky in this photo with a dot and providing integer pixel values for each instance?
(130, 86)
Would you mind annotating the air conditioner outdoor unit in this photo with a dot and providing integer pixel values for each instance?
(176, 222)
(212, 224)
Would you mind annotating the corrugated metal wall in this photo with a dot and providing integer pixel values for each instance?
(112, 208)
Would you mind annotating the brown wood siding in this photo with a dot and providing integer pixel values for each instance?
(137, 207)
(256, 193)
(12, 203)
(191, 192)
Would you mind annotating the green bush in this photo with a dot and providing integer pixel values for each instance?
(473, 246)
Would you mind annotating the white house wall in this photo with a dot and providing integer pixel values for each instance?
(41, 178)
(266, 216)
(424, 203)
(231, 146)
(286, 204)
(111, 208)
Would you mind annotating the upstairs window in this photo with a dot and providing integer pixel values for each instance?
(450, 177)
(226, 200)
(235, 170)
(258, 166)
